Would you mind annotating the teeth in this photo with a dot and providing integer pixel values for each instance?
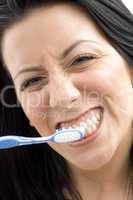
(98, 116)
(94, 126)
(88, 126)
(89, 129)
(74, 126)
(88, 122)
(82, 129)
(83, 124)
(94, 119)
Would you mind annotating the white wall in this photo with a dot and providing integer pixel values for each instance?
(129, 4)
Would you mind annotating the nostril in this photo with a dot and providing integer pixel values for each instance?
(74, 99)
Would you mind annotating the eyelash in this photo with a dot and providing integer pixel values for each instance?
(78, 59)
(30, 82)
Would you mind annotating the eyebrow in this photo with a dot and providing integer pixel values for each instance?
(71, 47)
(31, 68)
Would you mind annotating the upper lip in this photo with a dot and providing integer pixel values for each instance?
(57, 124)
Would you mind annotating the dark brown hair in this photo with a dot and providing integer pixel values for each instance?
(37, 172)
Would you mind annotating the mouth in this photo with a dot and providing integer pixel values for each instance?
(88, 122)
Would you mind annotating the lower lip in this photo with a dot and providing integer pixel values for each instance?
(88, 139)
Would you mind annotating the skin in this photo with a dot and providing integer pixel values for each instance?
(99, 169)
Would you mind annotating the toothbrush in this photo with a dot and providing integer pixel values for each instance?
(63, 136)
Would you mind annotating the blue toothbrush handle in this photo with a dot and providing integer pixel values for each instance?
(8, 142)
(13, 141)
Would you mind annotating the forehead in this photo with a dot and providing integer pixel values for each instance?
(48, 30)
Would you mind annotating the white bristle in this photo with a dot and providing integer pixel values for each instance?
(67, 136)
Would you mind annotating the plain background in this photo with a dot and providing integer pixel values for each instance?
(129, 4)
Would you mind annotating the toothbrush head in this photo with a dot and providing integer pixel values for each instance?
(68, 135)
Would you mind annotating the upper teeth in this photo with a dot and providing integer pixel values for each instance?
(88, 125)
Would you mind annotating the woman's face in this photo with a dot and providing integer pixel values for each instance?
(65, 73)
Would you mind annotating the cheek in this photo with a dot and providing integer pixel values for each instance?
(33, 103)
(35, 111)
(30, 103)
(107, 86)
(97, 82)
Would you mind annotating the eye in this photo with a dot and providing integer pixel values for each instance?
(82, 58)
(31, 82)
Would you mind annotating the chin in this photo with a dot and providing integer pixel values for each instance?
(95, 161)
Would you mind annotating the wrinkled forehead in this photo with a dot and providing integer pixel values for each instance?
(51, 20)
(46, 32)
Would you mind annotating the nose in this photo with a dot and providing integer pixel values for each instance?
(62, 92)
